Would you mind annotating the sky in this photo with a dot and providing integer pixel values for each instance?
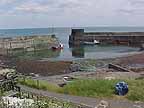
(70, 13)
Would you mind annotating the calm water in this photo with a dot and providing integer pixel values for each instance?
(93, 52)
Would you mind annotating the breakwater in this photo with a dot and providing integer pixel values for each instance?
(78, 37)
(26, 43)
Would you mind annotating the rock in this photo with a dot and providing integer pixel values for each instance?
(110, 78)
(62, 85)
(74, 68)
(103, 104)
(137, 106)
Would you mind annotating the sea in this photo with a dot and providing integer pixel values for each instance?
(84, 52)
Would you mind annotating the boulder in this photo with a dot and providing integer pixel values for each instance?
(103, 104)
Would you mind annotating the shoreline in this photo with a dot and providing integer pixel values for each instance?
(99, 73)
(63, 67)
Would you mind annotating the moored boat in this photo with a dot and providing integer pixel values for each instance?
(92, 43)
(58, 47)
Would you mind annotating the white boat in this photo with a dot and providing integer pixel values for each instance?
(67, 79)
(96, 42)
(92, 43)
(142, 47)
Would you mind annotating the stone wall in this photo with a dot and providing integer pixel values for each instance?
(78, 37)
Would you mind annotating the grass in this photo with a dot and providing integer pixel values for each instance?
(93, 88)
(105, 88)
(136, 90)
(44, 85)
(1, 94)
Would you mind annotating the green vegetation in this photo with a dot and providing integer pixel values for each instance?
(93, 88)
(105, 88)
(1, 94)
(136, 90)
(52, 103)
(44, 85)
(29, 100)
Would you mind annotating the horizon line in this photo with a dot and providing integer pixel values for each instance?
(67, 27)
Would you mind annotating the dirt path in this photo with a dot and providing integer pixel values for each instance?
(89, 102)
(99, 74)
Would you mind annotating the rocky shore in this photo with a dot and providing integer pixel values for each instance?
(79, 68)
(43, 68)
(54, 72)
(133, 62)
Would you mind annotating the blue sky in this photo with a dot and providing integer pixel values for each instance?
(68, 13)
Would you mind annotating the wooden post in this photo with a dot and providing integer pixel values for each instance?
(38, 84)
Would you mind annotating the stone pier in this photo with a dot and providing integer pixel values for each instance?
(78, 37)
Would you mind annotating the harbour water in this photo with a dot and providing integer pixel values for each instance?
(93, 52)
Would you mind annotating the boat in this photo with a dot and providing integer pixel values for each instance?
(92, 43)
(58, 47)
(67, 79)
(142, 47)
